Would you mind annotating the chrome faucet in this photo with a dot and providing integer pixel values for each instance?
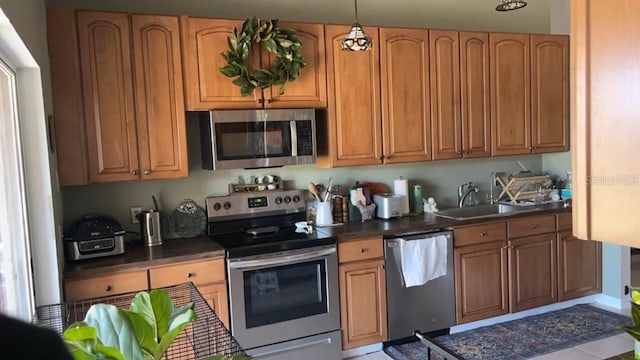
(463, 192)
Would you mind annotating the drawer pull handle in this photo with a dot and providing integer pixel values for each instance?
(107, 288)
(483, 234)
(363, 250)
(533, 227)
(189, 275)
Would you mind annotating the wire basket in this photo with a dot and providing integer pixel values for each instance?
(206, 336)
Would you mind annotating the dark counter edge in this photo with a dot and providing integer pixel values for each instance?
(203, 247)
(142, 257)
(414, 224)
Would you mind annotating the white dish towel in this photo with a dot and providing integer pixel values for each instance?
(423, 259)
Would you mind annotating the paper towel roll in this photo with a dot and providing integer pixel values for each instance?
(401, 187)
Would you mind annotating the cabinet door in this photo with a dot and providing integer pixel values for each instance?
(404, 72)
(444, 50)
(205, 87)
(481, 281)
(105, 285)
(105, 60)
(549, 93)
(160, 115)
(579, 267)
(474, 94)
(532, 272)
(605, 88)
(363, 303)
(353, 124)
(216, 297)
(510, 80)
(310, 88)
(66, 87)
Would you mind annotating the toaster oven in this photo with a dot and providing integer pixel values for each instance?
(93, 236)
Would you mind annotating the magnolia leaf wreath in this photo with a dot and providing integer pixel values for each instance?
(281, 42)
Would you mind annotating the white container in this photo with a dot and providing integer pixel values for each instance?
(323, 213)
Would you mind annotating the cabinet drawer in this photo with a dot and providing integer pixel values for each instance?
(564, 221)
(106, 285)
(363, 249)
(532, 226)
(200, 272)
(478, 234)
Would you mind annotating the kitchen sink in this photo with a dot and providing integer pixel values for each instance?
(482, 211)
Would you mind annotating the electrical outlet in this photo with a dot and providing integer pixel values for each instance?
(134, 211)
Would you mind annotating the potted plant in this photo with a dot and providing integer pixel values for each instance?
(145, 331)
(635, 315)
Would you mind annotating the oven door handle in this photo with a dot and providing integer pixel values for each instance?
(281, 260)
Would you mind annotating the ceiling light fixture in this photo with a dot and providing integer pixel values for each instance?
(356, 39)
(506, 5)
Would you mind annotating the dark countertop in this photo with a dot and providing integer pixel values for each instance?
(202, 247)
(143, 257)
(407, 225)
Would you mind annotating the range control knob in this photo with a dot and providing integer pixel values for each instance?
(296, 198)
(226, 205)
(278, 200)
(287, 199)
(216, 206)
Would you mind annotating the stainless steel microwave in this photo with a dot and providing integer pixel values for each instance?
(247, 139)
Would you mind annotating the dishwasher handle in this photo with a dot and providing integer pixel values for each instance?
(395, 240)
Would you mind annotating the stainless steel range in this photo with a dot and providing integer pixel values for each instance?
(283, 285)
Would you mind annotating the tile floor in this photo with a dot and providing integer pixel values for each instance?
(595, 350)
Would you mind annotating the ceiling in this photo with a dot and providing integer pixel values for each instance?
(436, 14)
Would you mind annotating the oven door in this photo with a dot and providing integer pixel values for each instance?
(284, 296)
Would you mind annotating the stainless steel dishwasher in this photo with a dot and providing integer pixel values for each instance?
(425, 308)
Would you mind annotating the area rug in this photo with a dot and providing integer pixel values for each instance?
(524, 338)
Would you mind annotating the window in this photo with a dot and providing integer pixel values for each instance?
(16, 297)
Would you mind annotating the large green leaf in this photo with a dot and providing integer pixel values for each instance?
(141, 305)
(80, 354)
(162, 308)
(80, 331)
(114, 330)
(144, 331)
(109, 352)
(177, 325)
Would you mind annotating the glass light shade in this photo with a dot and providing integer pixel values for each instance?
(506, 5)
(356, 40)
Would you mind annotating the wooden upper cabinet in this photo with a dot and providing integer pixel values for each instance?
(105, 60)
(310, 88)
(474, 94)
(444, 51)
(159, 97)
(66, 86)
(404, 72)
(205, 86)
(510, 102)
(353, 114)
(605, 88)
(549, 93)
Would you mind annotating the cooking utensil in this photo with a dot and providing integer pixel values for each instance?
(326, 196)
(313, 190)
(155, 203)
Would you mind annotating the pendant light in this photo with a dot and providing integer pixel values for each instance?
(506, 5)
(356, 39)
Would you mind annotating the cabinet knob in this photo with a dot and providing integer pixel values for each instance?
(189, 274)
(260, 101)
(135, 172)
(387, 157)
(533, 227)
(269, 101)
(381, 157)
(107, 288)
(483, 234)
(147, 172)
(363, 250)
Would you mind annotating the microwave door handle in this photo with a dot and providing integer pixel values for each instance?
(294, 138)
(281, 260)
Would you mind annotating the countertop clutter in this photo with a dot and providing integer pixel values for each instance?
(202, 247)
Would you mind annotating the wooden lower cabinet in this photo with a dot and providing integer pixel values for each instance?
(481, 281)
(216, 296)
(532, 272)
(579, 266)
(108, 284)
(363, 303)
